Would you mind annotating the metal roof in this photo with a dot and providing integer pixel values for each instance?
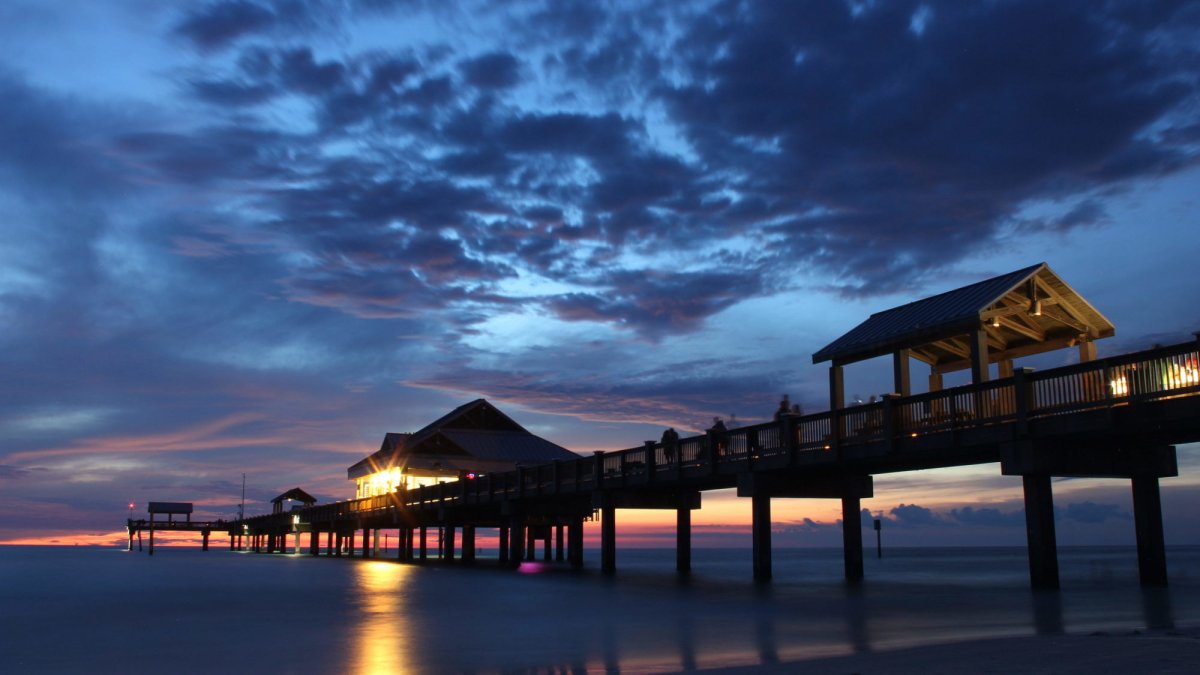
(477, 429)
(296, 494)
(512, 446)
(931, 326)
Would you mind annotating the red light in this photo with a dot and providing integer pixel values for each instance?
(470, 475)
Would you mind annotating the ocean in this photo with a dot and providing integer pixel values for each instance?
(99, 610)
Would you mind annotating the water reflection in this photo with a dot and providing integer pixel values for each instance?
(381, 634)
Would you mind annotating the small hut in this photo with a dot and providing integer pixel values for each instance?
(293, 495)
(474, 438)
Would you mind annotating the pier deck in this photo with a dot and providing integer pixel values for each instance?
(1117, 417)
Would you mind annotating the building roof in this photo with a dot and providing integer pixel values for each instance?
(935, 328)
(296, 494)
(474, 436)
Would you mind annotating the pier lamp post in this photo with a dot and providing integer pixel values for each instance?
(130, 510)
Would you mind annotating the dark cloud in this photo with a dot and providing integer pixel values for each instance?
(492, 71)
(1092, 513)
(911, 515)
(987, 517)
(12, 472)
(218, 24)
(889, 140)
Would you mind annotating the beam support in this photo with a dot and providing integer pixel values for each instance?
(1039, 529)
(761, 526)
(852, 545)
(1147, 518)
(683, 540)
(608, 537)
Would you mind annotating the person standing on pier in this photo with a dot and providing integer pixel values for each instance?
(670, 439)
(718, 432)
(785, 408)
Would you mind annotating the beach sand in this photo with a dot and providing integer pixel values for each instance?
(1159, 651)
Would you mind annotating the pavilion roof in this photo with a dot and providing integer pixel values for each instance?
(475, 433)
(1028, 311)
(296, 494)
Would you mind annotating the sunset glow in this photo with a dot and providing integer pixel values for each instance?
(251, 238)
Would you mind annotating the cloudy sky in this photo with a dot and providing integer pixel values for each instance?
(252, 236)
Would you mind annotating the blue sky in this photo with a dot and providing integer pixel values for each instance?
(254, 236)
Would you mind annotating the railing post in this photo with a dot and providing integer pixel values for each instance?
(650, 465)
(598, 468)
(622, 457)
(1023, 398)
(787, 434)
(890, 419)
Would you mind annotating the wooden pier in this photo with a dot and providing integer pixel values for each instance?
(1118, 417)
(1113, 418)
(170, 510)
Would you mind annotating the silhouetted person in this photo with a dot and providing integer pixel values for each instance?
(670, 440)
(718, 432)
(785, 407)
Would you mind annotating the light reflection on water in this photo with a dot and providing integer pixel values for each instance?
(381, 637)
(369, 616)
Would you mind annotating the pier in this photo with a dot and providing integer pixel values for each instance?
(1068, 421)
(1118, 417)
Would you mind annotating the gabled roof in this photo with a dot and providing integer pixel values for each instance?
(298, 495)
(934, 328)
(477, 429)
(518, 447)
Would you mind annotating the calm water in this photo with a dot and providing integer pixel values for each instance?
(105, 610)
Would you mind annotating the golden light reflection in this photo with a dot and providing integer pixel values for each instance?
(1119, 386)
(1178, 376)
(382, 636)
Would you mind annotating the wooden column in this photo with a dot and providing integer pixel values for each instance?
(337, 551)
(329, 542)
(448, 544)
(468, 544)
(900, 372)
(1005, 368)
(1147, 519)
(935, 380)
(151, 552)
(503, 543)
(366, 542)
(575, 542)
(837, 400)
(852, 546)
(516, 541)
(375, 537)
(423, 542)
(608, 536)
(530, 544)
(979, 356)
(204, 540)
(1087, 350)
(350, 548)
(547, 548)
(314, 543)
(1039, 528)
(559, 553)
(683, 539)
(761, 526)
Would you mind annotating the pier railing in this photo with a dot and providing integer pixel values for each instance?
(1155, 374)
